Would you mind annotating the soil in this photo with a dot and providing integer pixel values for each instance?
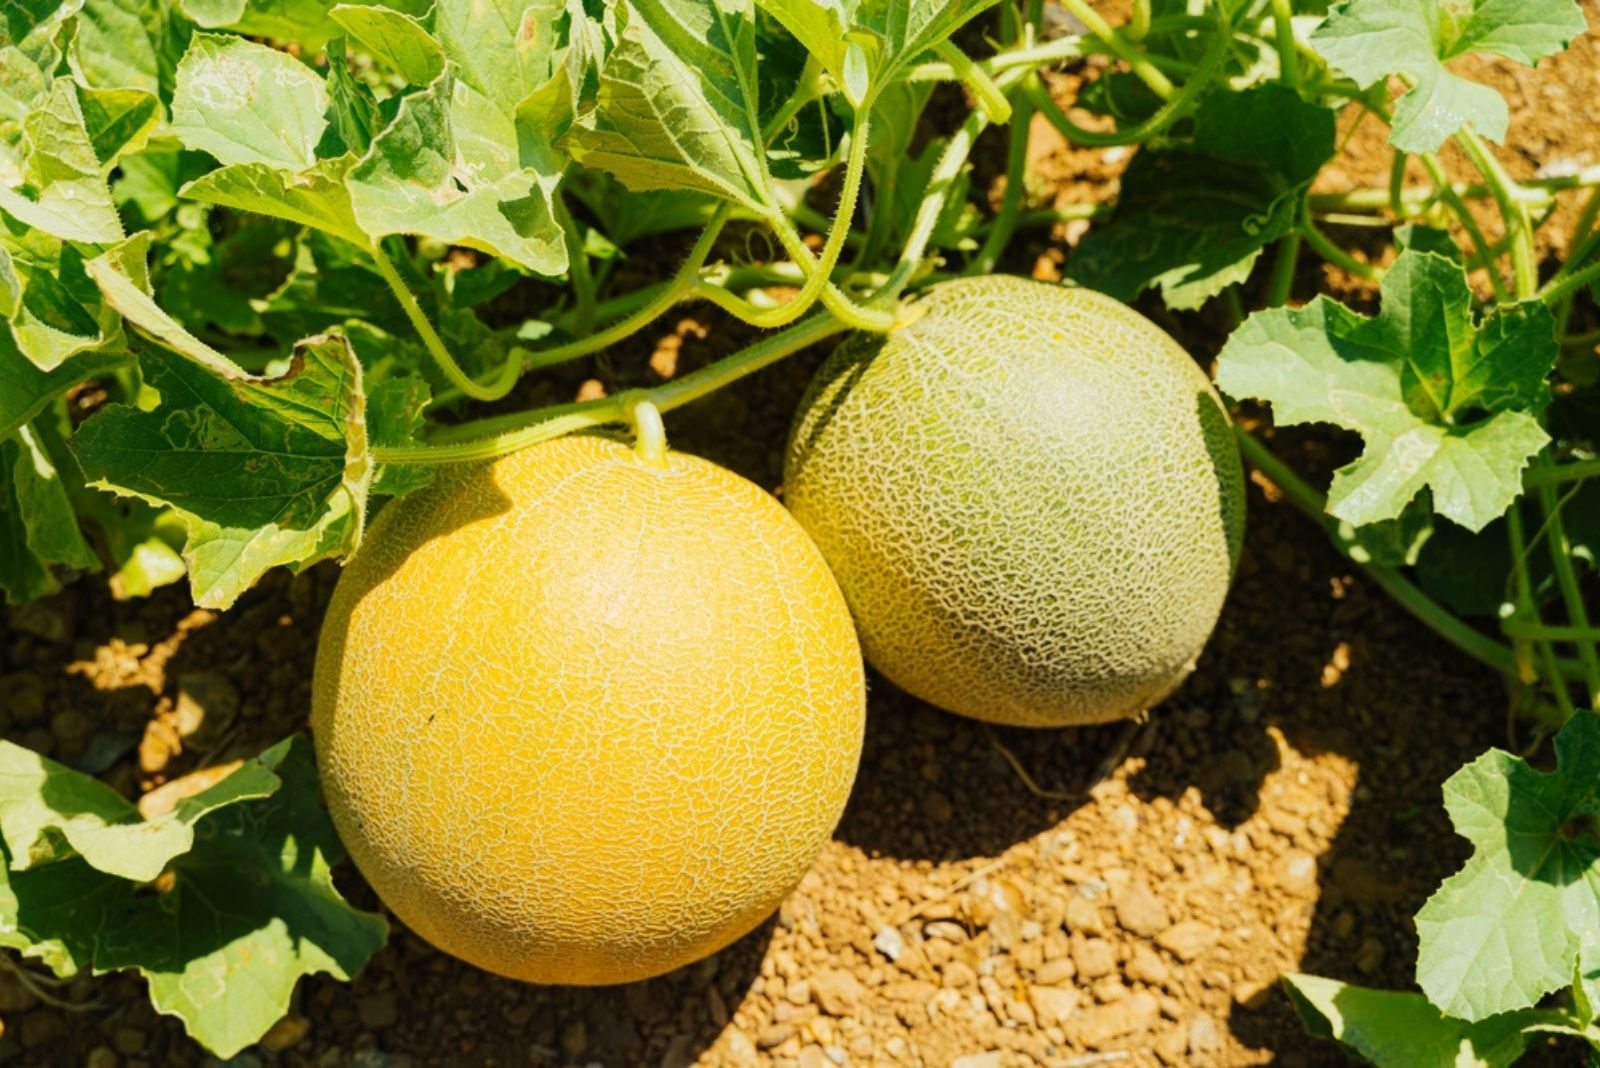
(993, 898)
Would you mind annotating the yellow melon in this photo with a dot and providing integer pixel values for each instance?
(582, 719)
(1030, 497)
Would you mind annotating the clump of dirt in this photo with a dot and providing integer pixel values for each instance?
(994, 898)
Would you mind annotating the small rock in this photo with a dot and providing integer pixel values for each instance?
(379, 1010)
(679, 1052)
(1171, 1045)
(1146, 966)
(813, 1057)
(798, 992)
(1189, 939)
(575, 1038)
(889, 942)
(740, 1049)
(1104, 1024)
(1055, 972)
(915, 990)
(837, 992)
(102, 1057)
(25, 699)
(1094, 958)
(958, 976)
(1141, 912)
(1055, 1005)
(1252, 993)
(978, 1060)
(774, 1035)
(280, 1036)
(1083, 916)
(1369, 957)
(1295, 871)
(837, 1055)
(1203, 1036)
(948, 930)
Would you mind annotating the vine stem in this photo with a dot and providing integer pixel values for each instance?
(1440, 620)
(435, 344)
(1176, 105)
(544, 424)
(1283, 34)
(678, 288)
(1005, 220)
(1524, 268)
(1328, 250)
(975, 78)
(1283, 269)
(1559, 288)
(1140, 65)
(1571, 594)
(1453, 200)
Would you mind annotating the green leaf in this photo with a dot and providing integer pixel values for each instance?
(25, 389)
(62, 188)
(449, 167)
(1439, 401)
(253, 907)
(247, 103)
(48, 812)
(395, 410)
(316, 197)
(502, 48)
(40, 530)
(133, 44)
(123, 276)
(298, 441)
(678, 103)
(1509, 926)
(52, 913)
(245, 907)
(55, 313)
(821, 26)
(393, 37)
(305, 21)
(1401, 1030)
(1193, 220)
(1369, 40)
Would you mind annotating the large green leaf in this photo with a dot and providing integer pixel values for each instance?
(1372, 39)
(316, 197)
(1401, 1030)
(678, 105)
(1440, 401)
(1193, 220)
(130, 44)
(252, 908)
(38, 529)
(62, 189)
(1509, 927)
(449, 167)
(247, 103)
(263, 472)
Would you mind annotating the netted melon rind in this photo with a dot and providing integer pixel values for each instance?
(1031, 498)
(584, 721)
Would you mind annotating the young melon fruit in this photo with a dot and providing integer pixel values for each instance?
(1030, 497)
(582, 719)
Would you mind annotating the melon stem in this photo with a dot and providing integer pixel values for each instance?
(649, 433)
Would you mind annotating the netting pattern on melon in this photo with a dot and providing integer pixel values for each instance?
(584, 721)
(1030, 497)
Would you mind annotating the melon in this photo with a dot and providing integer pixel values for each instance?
(1030, 496)
(582, 718)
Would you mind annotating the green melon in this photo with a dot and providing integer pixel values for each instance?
(1031, 498)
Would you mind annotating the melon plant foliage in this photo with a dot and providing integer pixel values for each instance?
(261, 263)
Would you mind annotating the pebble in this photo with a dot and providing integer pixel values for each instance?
(1189, 939)
(1084, 917)
(38, 1028)
(1203, 1035)
(740, 1049)
(280, 1036)
(1141, 912)
(575, 1038)
(836, 991)
(958, 976)
(1054, 1005)
(889, 942)
(798, 992)
(1055, 972)
(1100, 1026)
(131, 1040)
(1146, 966)
(1295, 871)
(102, 1057)
(1094, 958)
